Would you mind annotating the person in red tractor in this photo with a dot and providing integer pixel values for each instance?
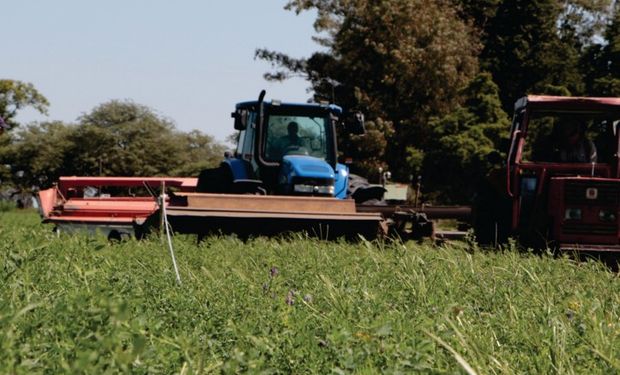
(572, 144)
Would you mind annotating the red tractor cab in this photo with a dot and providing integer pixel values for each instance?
(563, 173)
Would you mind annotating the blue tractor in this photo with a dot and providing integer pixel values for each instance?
(284, 176)
(284, 149)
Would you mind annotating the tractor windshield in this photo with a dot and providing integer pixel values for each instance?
(571, 137)
(297, 135)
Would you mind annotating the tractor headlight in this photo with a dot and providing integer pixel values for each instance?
(607, 215)
(572, 214)
(303, 188)
(328, 189)
(312, 189)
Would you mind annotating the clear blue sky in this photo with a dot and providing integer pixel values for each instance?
(190, 60)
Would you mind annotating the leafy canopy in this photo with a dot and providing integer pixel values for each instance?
(399, 61)
(16, 95)
(117, 138)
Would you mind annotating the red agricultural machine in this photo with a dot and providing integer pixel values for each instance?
(561, 185)
(116, 207)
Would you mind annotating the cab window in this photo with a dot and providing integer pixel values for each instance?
(296, 135)
(569, 138)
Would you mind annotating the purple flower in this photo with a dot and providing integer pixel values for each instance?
(3, 124)
(274, 271)
(308, 298)
(289, 298)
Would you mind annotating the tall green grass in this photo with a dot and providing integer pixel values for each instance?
(73, 304)
(6, 206)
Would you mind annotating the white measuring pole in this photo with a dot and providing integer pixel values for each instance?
(167, 229)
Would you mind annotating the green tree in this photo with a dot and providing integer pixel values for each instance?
(399, 61)
(38, 155)
(602, 61)
(123, 138)
(462, 141)
(525, 53)
(16, 95)
(200, 151)
(117, 138)
(535, 46)
(580, 20)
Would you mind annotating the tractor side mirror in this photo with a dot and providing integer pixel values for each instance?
(356, 124)
(240, 117)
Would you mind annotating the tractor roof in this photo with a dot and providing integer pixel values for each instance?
(295, 106)
(567, 103)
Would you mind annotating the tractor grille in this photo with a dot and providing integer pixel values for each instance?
(589, 228)
(313, 181)
(608, 193)
(607, 197)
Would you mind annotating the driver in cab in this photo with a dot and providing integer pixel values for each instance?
(573, 145)
(289, 142)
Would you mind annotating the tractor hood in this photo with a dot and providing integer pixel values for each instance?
(306, 166)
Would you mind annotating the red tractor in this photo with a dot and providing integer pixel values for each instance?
(561, 185)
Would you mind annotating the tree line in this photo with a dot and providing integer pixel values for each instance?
(437, 79)
(116, 138)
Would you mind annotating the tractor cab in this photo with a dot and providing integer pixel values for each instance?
(283, 149)
(563, 172)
